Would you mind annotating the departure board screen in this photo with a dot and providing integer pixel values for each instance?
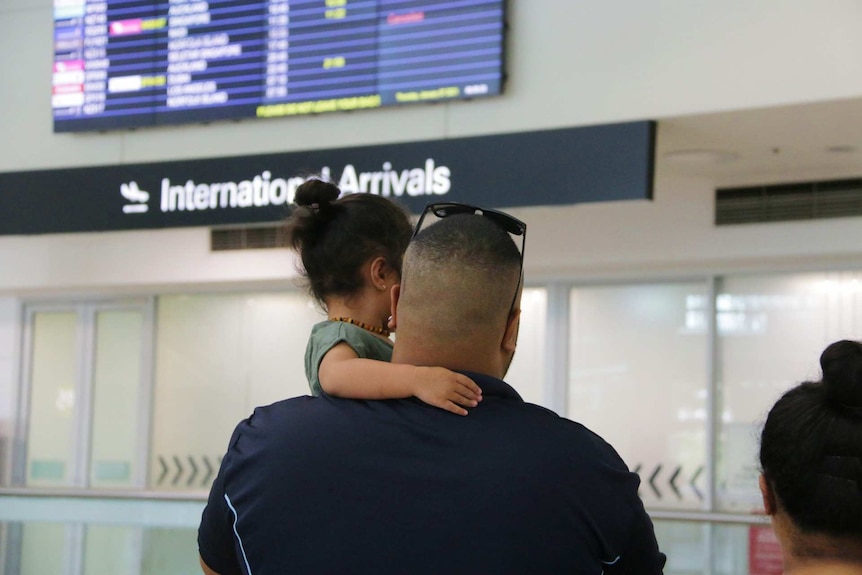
(127, 63)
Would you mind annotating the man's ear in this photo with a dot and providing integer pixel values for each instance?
(510, 336)
(394, 295)
(768, 496)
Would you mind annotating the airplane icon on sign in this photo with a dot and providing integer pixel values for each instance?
(133, 193)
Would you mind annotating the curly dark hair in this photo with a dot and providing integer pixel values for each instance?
(336, 236)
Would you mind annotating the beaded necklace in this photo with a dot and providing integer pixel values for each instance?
(385, 332)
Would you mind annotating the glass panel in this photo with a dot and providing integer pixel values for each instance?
(686, 546)
(277, 327)
(8, 361)
(170, 551)
(54, 549)
(113, 549)
(736, 549)
(116, 385)
(527, 372)
(217, 357)
(44, 548)
(637, 377)
(51, 436)
(4, 545)
(746, 550)
(772, 330)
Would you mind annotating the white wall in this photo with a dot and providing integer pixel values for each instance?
(569, 63)
(675, 236)
(123, 261)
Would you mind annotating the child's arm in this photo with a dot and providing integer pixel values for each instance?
(343, 374)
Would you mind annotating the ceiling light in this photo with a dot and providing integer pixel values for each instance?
(701, 157)
(841, 149)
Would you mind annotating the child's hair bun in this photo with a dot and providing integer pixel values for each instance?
(315, 193)
(842, 374)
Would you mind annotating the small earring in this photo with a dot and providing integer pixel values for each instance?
(382, 287)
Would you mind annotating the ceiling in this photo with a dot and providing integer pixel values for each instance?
(817, 141)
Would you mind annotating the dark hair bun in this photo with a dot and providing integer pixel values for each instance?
(316, 193)
(842, 373)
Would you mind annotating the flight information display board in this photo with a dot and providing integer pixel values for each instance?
(128, 63)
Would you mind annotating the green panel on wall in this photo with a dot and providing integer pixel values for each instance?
(47, 469)
(111, 470)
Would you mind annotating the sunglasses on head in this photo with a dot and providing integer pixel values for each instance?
(445, 209)
(510, 224)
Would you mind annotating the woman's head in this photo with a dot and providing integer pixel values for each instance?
(337, 238)
(811, 449)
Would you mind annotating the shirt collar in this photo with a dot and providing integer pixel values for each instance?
(491, 386)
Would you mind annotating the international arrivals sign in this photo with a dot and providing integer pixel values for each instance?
(552, 167)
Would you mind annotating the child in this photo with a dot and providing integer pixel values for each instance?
(351, 250)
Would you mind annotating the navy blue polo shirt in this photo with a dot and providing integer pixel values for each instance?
(329, 485)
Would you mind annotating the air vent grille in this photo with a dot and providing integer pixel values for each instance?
(250, 238)
(788, 202)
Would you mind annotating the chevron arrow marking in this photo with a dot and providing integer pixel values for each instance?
(652, 481)
(194, 470)
(672, 484)
(694, 485)
(209, 472)
(164, 472)
(179, 470)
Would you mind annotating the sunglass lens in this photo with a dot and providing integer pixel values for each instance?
(446, 210)
(506, 222)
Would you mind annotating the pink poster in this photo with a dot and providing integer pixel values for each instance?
(764, 552)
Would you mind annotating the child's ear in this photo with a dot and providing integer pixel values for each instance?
(379, 272)
(768, 496)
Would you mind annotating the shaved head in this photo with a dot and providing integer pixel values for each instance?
(460, 277)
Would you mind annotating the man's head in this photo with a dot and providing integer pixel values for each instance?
(458, 305)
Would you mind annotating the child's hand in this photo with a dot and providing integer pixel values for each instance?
(446, 389)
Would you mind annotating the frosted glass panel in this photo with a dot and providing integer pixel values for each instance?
(735, 549)
(9, 361)
(45, 548)
(217, 357)
(527, 372)
(116, 385)
(686, 546)
(170, 551)
(277, 327)
(112, 549)
(53, 395)
(637, 377)
(772, 330)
